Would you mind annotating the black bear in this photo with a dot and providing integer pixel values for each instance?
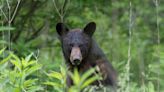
(81, 51)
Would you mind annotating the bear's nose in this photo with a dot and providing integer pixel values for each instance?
(75, 56)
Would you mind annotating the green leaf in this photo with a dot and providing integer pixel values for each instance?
(29, 82)
(74, 89)
(34, 89)
(17, 64)
(15, 57)
(32, 69)
(55, 75)
(89, 81)
(28, 57)
(54, 84)
(87, 74)
(5, 59)
(17, 89)
(76, 78)
(29, 63)
(2, 50)
(63, 71)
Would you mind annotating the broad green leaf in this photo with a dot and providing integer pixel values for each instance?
(28, 57)
(30, 63)
(32, 69)
(54, 84)
(89, 81)
(76, 77)
(24, 63)
(33, 88)
(15, 57)
(63, 71)
(17, 64)
(74, 89)
(55, 75)
(17, 89)
(5, 59)
(87, 74)
(29, 82)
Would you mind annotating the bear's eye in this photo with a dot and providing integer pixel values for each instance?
(81, 46)
(71, 45)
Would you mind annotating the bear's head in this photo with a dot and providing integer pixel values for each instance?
(76, 43)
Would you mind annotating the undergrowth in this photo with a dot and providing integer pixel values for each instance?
(20, 75)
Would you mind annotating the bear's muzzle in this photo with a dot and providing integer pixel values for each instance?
(76, 56)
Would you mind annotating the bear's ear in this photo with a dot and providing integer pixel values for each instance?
(90, 28)
(61, 29)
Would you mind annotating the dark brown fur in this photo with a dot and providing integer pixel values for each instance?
(91, 53)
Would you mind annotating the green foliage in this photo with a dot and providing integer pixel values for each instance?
(80, 81)
(33, 30)
(157, 68)
(15, 74)
(60, 84)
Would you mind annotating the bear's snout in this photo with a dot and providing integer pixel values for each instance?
(75, 56)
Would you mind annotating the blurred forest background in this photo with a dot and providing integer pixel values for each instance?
(130, 32)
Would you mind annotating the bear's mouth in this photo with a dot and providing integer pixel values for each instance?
(76, 62)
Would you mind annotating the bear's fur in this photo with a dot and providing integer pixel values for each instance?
(87, 53)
